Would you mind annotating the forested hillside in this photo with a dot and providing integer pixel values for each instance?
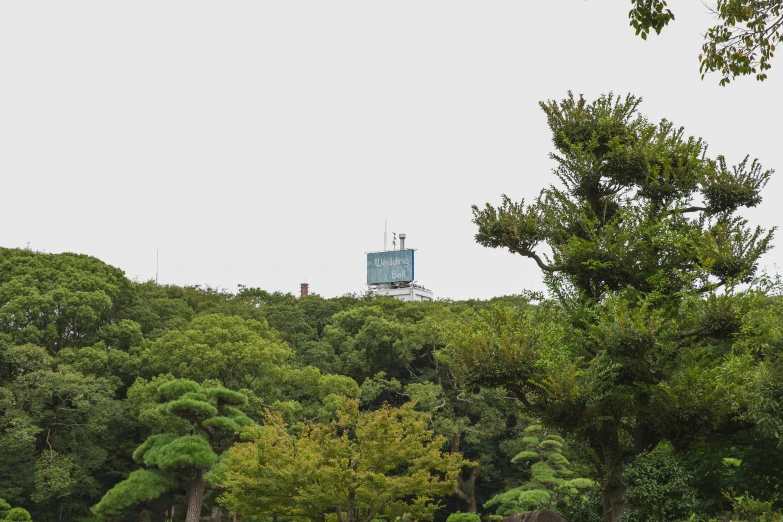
(83, 351)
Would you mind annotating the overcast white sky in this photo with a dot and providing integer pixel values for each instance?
(263, 143)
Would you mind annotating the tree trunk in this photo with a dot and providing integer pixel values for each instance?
(195, 497)
(351, 514)
(466, 489)
(472, 505)
(612, 492)
(606, 443)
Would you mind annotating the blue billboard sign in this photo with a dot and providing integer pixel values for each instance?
(395, 266)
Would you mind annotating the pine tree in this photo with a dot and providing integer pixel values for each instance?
(10, 514)
(542, 455)
(209, 420)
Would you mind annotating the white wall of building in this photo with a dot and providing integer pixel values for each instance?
(405, 294)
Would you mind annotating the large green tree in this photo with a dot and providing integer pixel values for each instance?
(361, 466)
(199, 423)
(63, 428)
(646, 264)
(390, 348)
(236, 351)
(474, 421)
(58, 300)
(741, 43)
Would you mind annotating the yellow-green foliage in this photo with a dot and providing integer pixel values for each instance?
(10, 514)
(463, 517)
(366, 465)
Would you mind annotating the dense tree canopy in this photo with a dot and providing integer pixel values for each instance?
(235, 351)
(57, 301)
(75, 411)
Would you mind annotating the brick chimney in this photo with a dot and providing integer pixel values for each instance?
(304, 289)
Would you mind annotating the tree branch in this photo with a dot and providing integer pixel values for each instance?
(695, 331)
(543, 266)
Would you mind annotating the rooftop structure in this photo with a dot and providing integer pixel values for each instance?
(392, 273)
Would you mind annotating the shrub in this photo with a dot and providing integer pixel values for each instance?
(658, 487)
(580, 507)
(755, 510)
(463, 517)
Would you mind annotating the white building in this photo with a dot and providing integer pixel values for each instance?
(405, 293)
